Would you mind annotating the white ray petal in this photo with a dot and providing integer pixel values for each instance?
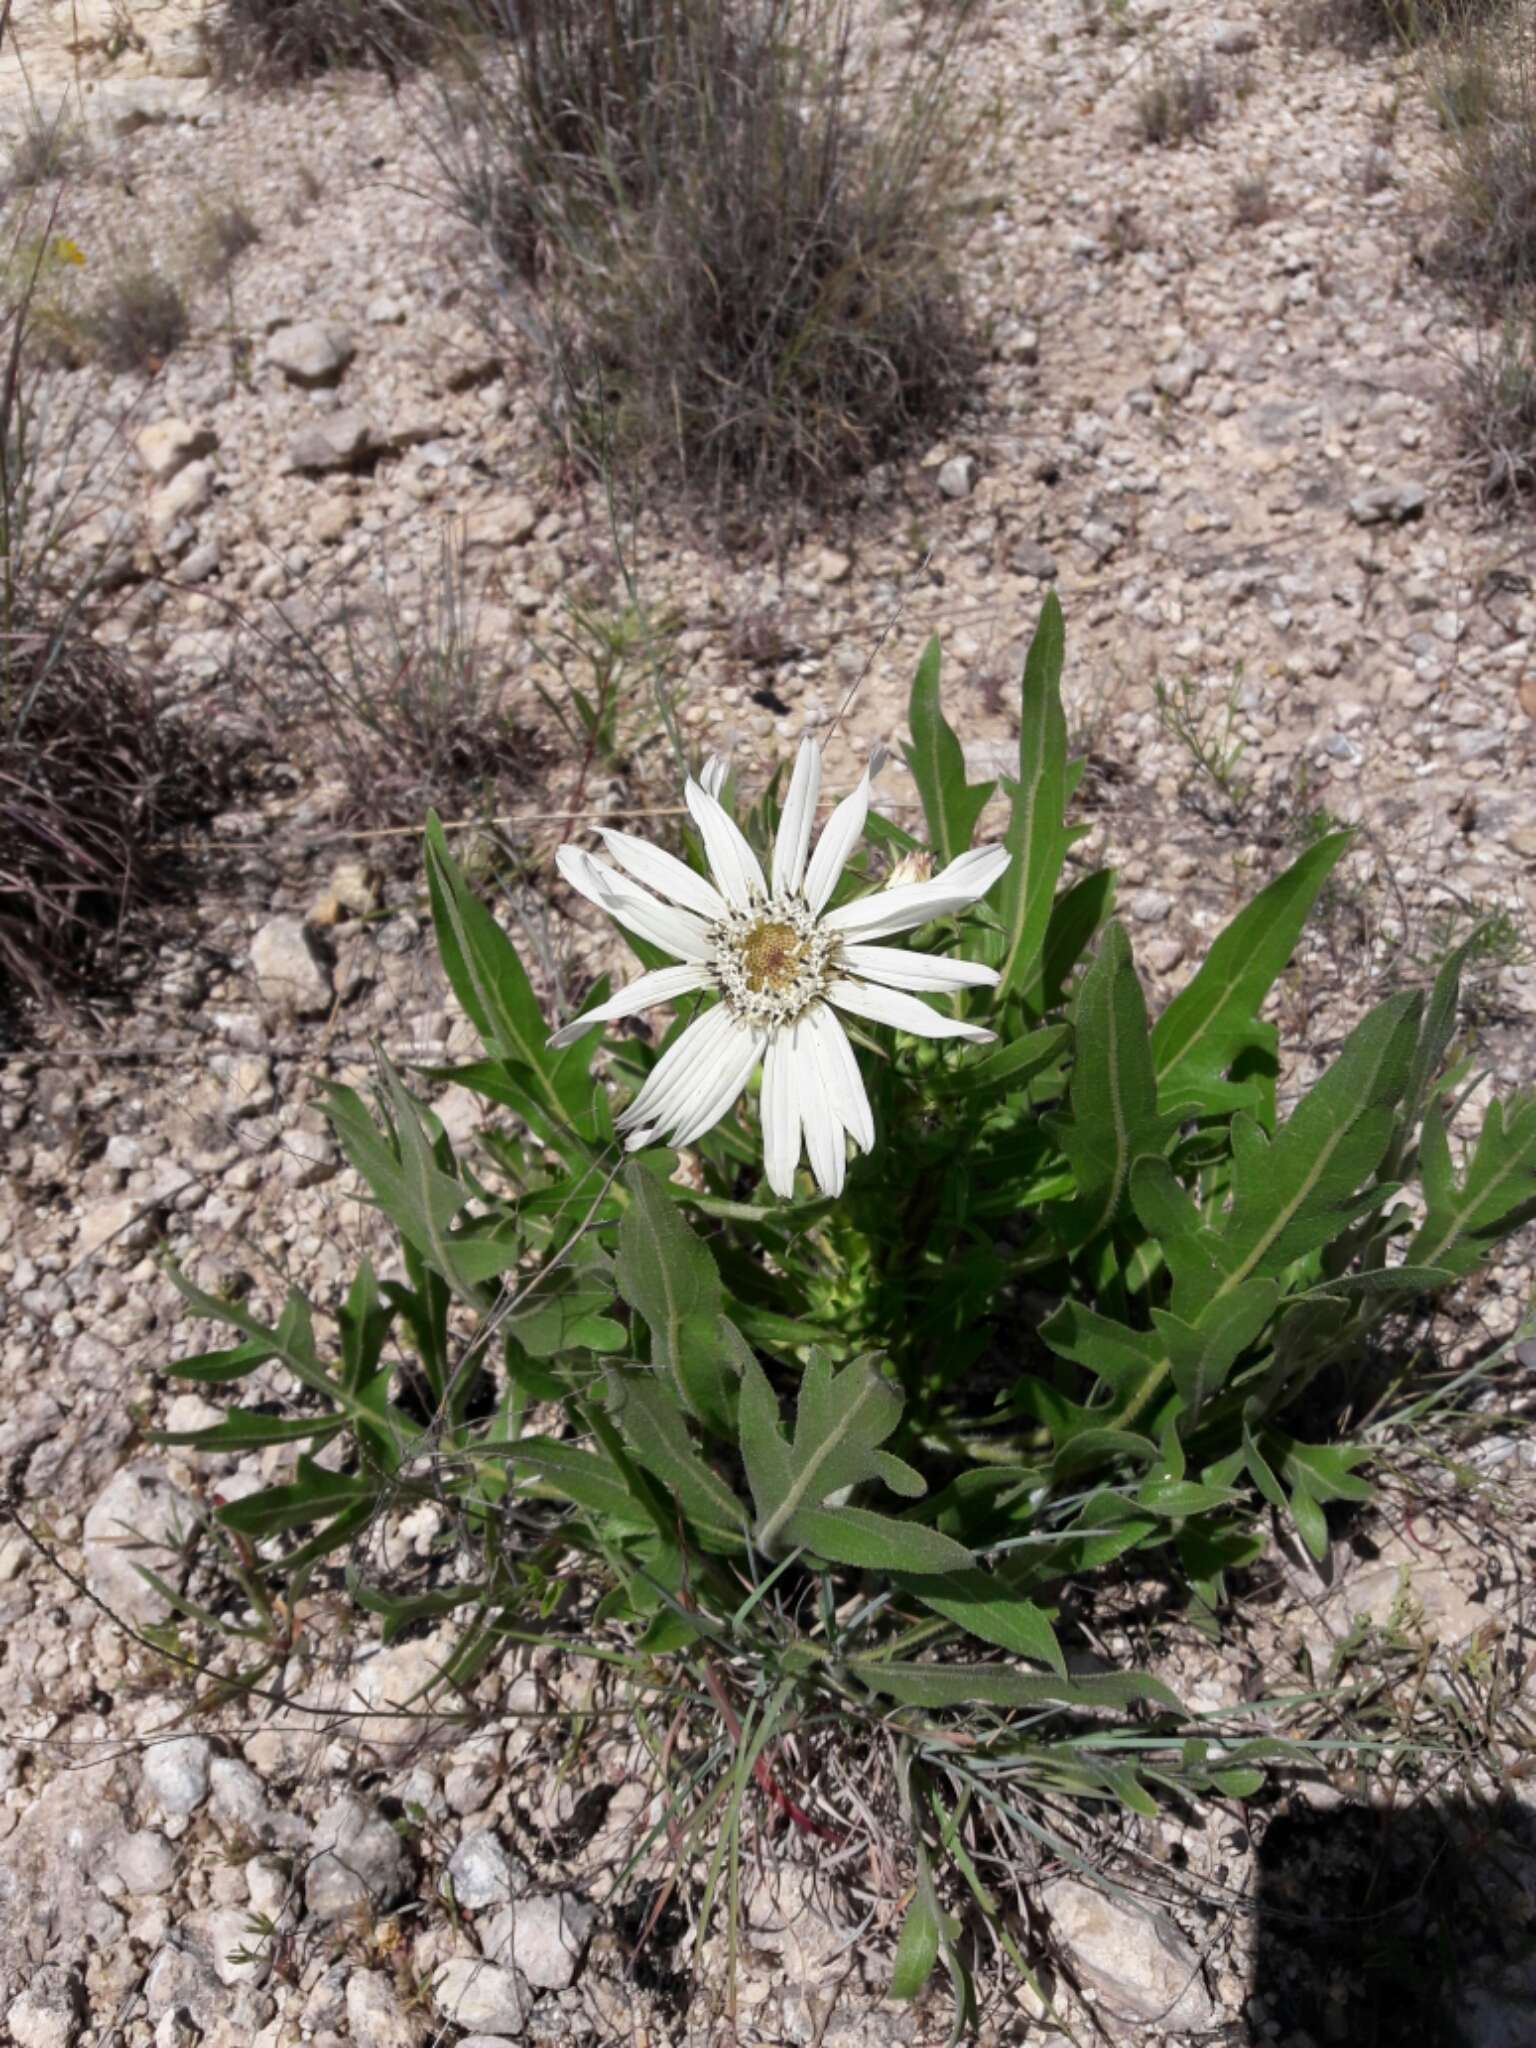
(839, 836)
(904, 1012)
(665, 873)
(714, 775)
(840, 1071)
(731, 861)
(781, 1115)
(740, 1055)
(686, 1061)
(794, 836)
(663, 985)
(924, 972)
(677, 931)
(823, 1126)
(964, 882)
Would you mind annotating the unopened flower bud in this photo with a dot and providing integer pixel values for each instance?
(912, 867)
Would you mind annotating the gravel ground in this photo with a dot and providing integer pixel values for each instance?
(1226, 445)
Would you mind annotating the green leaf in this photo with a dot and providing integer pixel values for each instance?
(666, 1274)
(1214, 1019)
(1113, 1096)
(1176, 1498)
(1498, 1191)
(419, 1199)
(311, 1496)
(483, 968)
(1435, 1032)
(584, 1478)
(1311, 1522)
(1075, 917)
(875, 1542)
(995, 1685)
(917, 1945)
(563, 1309)
(982, 1603)
(1201, 1354)
(364, 1320)
(937, 760)
(1240, 1784)
(1009, 1067)
(841, 1419)
(656, 1430)
(244, 1429)
(1297, 1191)
(1037, 835)
(219, 1368)
(1381, 1280)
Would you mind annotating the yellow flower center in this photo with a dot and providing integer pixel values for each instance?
(772, 955)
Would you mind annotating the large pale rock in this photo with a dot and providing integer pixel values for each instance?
(47, 2014)
(393, 1692)
(1142, 1968)
(484, 1996)
(337, 440)
(50, 1870)
(234, 1948)
(125, 1224)
(957, 477)
(482, 1873)
(312, 353)
(124, 105)
(1388, 504)
(289, 973)
(187, 494)
(360, 1865)
(375, 2016)
(166, 446)
(146, 1862)
(549, 1938)
(175, 1773)
(140, 1518)
(504, 523)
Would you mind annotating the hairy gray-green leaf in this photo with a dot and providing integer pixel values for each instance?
(841, 1420)
(1215, 1017)
(959, 1685)
(1113, 1097)
(1037, 835)
(984, 1604)
(656, 1430)
(1295, 1192)
(1498, 1191)
(951, 805)
(666, 1273)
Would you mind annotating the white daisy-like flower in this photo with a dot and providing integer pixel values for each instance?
(781, 964)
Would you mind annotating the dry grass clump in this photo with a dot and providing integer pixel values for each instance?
(1361, 26)
(1485, 93)
(134, 319)
(1252, 200)
(1176, 104)
(733, 253)
(1495, 407)
(93, 778)
(1490, 241)
(400, 703)
(225, 230)
(279, 42)
(44, 152)
(92, 782)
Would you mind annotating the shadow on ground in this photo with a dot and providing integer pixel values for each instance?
(1406, 1929)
